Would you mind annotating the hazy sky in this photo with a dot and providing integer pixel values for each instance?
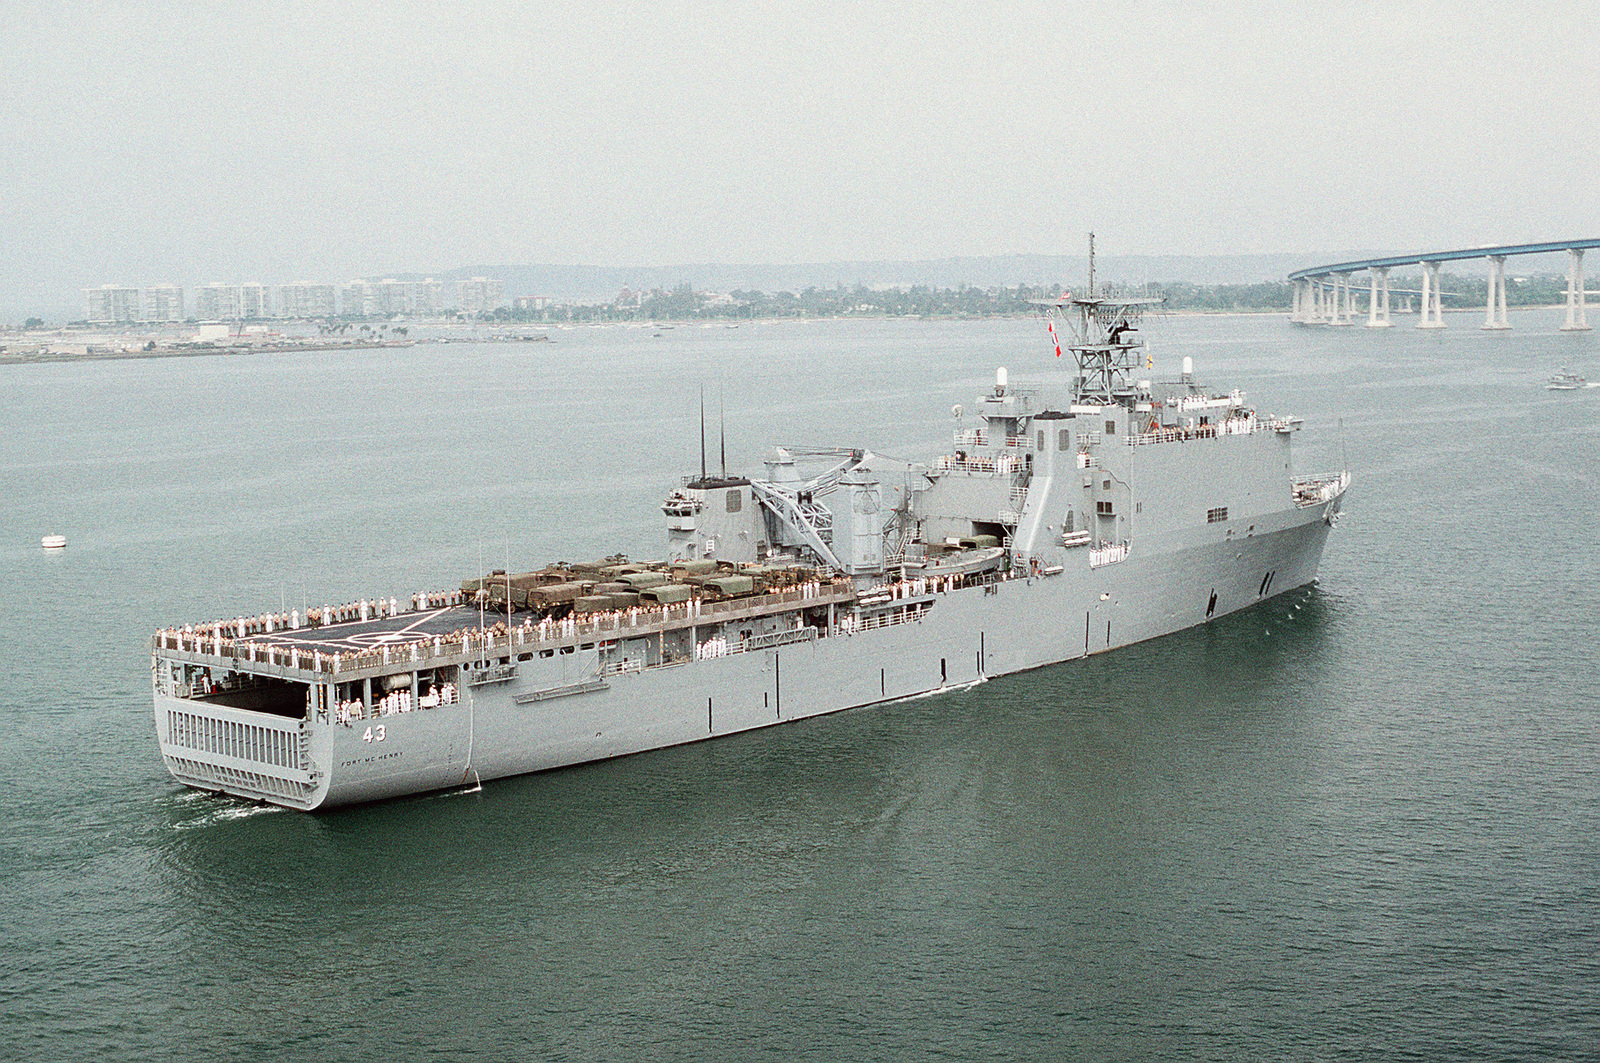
(145, 141)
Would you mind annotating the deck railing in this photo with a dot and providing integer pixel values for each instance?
(1320, 489)
(496, 641)
(1233, 426)
(1004, 465)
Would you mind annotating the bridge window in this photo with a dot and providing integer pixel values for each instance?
(734, 501)
(1063, 439)
(1217, 516)
(1103, 509)
(1111, 428)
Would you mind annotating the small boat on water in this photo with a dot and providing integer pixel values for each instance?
(53, 542)
(1566, 380)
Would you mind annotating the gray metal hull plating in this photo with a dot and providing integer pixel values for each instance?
(962, 637)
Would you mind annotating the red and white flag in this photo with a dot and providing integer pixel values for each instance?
(1051, 325)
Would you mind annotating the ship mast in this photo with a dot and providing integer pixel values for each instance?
(1091, 265)
(1105, 342)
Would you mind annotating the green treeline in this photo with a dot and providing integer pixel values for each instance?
(684, 303)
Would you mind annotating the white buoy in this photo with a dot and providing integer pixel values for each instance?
(53, 542)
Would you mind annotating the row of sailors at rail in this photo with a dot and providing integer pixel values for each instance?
(717, 645)
(397, 702)
(570, 625)
(379, 609)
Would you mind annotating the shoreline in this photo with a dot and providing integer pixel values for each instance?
(11, 357)
(23, 358)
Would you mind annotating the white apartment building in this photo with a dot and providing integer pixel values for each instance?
(480, 294)
(307, 300)
(390, 296)
(111, 305)
(429, 297)
(253, 302)
(394, 297)
(217, 302)
(359, 298)
(163, 303)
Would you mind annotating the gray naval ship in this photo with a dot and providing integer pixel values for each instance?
(1056, 526)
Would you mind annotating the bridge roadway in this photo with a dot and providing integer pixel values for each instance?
(1322, 294)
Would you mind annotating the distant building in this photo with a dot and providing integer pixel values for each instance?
(395, 297)
(111, 305)
(530, 303)
(253, 301)
(217, 302)
(164, 303)
(481, 294)
(429, 297)
(358, 299)
(307, 300)
(387, 297)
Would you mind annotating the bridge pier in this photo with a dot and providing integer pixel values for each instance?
(1379, 281)
(1495, 311)
(1432, 308)
(1577, 298)
(1316, 302)
(1308, 301)
(1341, 300)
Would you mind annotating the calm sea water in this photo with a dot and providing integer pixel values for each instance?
(1361, 821)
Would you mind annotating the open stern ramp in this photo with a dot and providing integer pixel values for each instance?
(249, 754)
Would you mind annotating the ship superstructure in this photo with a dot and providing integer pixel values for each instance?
(1057, 525)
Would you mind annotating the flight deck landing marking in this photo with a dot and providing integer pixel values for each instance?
(379, 638)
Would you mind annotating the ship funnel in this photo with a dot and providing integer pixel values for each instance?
(1000, 381)
(1188, 368)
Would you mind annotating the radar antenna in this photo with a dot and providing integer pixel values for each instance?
(1105, 340)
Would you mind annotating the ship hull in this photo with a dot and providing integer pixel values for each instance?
(959, 637)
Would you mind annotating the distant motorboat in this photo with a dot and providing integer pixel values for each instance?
(1566, 381)
(53, 542)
